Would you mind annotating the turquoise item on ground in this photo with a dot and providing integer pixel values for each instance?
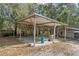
(42, 39)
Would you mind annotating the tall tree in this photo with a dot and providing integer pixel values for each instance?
(14, 12)
(64, 12)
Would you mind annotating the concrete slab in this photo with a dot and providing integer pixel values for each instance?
(29, 40)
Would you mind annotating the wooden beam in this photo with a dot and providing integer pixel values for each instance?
(25, 22)
(45, 23)
(30, 24)
(25, 18)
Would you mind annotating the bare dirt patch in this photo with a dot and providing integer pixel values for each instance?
(55, 49)
(16, 48)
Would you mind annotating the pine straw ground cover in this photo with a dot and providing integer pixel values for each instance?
(56, 49)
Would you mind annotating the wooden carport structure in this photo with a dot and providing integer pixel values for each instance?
(40, 20)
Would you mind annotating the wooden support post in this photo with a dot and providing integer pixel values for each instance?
(54, 31)
(34, 31)
(57, 31)
(37, 33)
(20, 34)
(39, 30)
(65, 33)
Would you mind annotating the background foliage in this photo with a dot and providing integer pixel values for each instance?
(64, 12)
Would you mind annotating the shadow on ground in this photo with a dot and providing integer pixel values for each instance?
(74, 41)
(8, 41)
